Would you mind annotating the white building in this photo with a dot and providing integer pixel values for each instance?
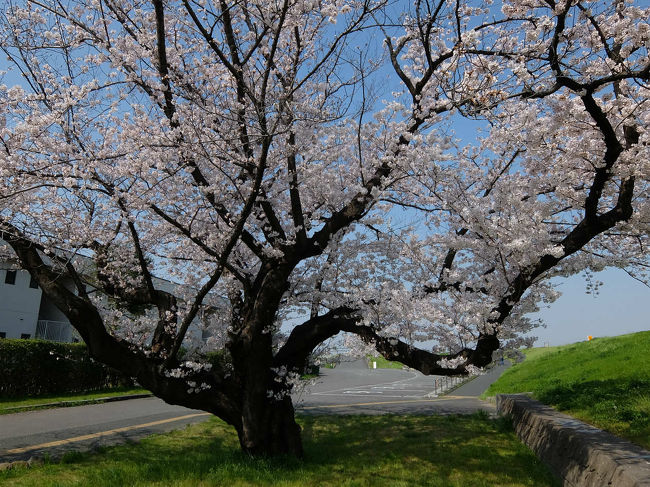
(25, 312)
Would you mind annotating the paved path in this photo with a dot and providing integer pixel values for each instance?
(478, 385)
(56, 431)
(350, 388)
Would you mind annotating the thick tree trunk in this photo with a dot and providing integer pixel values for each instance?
(268, 426)
(270, 429)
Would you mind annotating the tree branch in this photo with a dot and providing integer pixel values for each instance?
(305, 337)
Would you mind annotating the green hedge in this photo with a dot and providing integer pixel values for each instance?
(36, 367)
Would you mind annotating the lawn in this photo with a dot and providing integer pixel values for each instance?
(12, 405)
(382, 363)
(339, 451)
(605, 382)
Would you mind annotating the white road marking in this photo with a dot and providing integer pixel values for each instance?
(383, 389)
(352, 394)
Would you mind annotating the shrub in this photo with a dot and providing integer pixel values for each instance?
(37, 367)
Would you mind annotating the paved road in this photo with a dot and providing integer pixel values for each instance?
(350, 388)
(478, 385)
(55, 431)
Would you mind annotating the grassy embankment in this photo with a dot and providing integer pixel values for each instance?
(12, 405)
(605, 382)
(382, 363)
(390, 451)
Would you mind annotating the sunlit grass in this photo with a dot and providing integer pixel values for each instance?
(605, 382)
(339, 451)
(382, 363)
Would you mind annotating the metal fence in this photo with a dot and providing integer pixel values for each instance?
(56, 331)
(442, 384)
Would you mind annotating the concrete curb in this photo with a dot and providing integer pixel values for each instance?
(81, 402)
(21, 463)
(579, 454)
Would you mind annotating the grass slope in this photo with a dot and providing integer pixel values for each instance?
(382, 363)
(605, 382)
(347, 451)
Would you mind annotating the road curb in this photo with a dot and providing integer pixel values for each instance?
(80, 402)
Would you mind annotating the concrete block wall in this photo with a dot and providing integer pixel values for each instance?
(577, 453)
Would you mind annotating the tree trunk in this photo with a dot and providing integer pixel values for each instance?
(270, 429)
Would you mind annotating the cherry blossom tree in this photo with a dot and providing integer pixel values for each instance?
(293, 164)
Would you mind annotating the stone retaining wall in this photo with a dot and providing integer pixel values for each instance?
(579, 454)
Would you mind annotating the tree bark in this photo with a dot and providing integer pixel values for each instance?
(268, 426)
(270, 429)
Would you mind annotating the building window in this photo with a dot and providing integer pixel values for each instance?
(32, 283)
(10, 278)
(25, 336)
(3, 334)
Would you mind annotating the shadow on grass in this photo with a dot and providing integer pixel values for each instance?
(422, 449)
(339, 451)
(617, 405)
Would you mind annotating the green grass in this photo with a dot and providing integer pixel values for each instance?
(605, 382)
(382, 363)
(348, 451)
(9, 405)
(538, 352)
(308, 376)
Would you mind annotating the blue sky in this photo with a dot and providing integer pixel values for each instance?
(621, 306)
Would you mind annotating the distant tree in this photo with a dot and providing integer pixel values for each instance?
(276, 159)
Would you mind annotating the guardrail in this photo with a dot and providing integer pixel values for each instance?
(442, 384)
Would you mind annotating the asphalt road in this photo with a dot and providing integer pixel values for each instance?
(350, 388)
(57, 431)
